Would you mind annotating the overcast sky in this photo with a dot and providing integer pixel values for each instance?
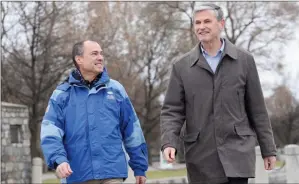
(291, 61)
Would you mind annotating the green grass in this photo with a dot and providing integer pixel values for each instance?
(166, 173)
(51, 181)
(150, 175)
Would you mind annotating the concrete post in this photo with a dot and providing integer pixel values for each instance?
(261, 175)
(1, 143)
(37, 170)
(292, 163)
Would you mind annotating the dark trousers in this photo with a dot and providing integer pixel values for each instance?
(237, 181)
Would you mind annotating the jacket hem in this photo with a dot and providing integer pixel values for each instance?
(211, 181)
(242, 175)
(124, 176)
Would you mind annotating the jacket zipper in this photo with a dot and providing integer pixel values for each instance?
(88, 126)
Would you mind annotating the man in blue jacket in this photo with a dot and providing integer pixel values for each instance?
(89, 122)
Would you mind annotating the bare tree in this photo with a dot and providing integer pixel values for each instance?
(4, 13)
(259, 27)
(150, 48)
(35, 57)
(104, 22)
(153, 59)
(284, 111)
(138, 41)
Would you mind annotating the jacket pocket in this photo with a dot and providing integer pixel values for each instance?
(113, 159)
(111, 105)
(243, 130)
(191, 137)
(77, 157)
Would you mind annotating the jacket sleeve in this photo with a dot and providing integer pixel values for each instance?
(172, 112)
(257, 112)
(133, 138)
(52, 132)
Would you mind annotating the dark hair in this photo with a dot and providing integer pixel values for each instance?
(78, 49)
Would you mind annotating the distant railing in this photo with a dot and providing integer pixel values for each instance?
(288, 172)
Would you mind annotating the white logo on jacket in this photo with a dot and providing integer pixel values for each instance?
(110, 95)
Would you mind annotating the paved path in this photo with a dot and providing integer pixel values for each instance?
(153, 167)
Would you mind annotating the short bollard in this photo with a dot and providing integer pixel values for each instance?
(261, 175)
(37, 170)
(292, 163)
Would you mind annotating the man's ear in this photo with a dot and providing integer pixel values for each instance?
(79, 60)
(222, 23)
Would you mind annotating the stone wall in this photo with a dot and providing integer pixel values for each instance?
(15, 144)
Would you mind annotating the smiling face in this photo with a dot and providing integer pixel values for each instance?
(206, 26)
(92, 60)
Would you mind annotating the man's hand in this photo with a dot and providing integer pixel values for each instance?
(269, 162)
(169, 154)
(63, 170)
(140, 179)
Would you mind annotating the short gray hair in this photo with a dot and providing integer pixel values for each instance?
(78, 50)
(209, 6)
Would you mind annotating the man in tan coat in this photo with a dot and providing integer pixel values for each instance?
(216, 89)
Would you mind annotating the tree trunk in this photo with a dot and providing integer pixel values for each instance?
(34, 139)
(150, 157)
(149, 148)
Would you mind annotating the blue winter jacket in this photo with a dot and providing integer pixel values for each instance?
(88, 128)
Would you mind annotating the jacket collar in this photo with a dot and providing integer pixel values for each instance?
(203, 51)
(197, 55)
(75, 77)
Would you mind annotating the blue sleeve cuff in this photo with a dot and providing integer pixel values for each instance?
(61, 159)
(138, 172)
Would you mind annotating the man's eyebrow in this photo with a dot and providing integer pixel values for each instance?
(96, 51)
(203, 19)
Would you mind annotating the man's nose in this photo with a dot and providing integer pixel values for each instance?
(101, 57)
(201, 27)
